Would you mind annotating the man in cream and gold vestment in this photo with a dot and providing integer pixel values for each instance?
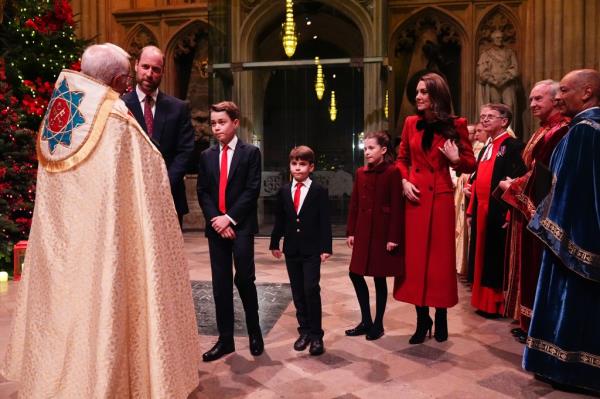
(104, 306)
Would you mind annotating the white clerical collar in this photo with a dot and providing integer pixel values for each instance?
(142, 96)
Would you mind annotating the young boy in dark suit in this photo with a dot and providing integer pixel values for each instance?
(229, 178)
(302, 218)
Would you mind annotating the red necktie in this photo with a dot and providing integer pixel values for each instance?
(297, 196)
(148, 118)
(223, 180)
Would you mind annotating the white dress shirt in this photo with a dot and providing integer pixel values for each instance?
(230, 149)
(142, 99)
(303, 191)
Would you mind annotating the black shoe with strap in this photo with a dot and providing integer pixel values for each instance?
(360, 329)
(374, 333)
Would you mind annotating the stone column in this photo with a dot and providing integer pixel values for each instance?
(92, 19)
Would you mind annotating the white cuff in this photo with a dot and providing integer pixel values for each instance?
(231, 220)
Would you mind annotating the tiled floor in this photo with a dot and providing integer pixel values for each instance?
(479, 360)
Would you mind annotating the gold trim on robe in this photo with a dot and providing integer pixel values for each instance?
(563, 355)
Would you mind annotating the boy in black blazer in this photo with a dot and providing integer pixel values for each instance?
(302, 218)
(229, 178)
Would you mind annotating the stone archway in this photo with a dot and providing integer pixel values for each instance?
(263, 14)
(186, 74)
(430, 40)
(139, 37)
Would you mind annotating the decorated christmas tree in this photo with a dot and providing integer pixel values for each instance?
(37, 40)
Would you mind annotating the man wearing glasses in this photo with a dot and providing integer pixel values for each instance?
(165, 119)
(501, 158)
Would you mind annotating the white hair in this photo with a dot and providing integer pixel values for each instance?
(104, 62)
(552, 86)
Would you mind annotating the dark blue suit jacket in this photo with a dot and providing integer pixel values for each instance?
(306, 233)
(243, 187)
(173, 135)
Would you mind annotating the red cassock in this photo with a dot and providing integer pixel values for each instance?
(430, 253)
(524, 250)
(374, 219)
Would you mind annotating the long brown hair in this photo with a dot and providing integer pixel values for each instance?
(383, 139)
(441, 102)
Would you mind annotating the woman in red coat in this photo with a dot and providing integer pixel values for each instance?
(374, 231)
(432, 141)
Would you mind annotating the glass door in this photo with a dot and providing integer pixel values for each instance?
(281, 110)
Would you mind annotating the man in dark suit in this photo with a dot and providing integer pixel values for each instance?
(302, 218)
(165, 119)
(229, 179)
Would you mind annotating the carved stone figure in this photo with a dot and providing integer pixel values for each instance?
(497, 70)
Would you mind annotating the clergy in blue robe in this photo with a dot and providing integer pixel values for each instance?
(563, 343)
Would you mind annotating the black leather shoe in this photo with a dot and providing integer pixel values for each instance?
(360, 329)
(517, 331)
(219, 350)
(374, 333)
(316, 347)
(302, 342)
(257, 346)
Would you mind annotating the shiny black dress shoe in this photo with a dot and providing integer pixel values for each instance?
(302, 342)
(521, 337)
(516, 331)
(316, 347)
(487, 315)
(360, 329)
(374, 333)
(257, 346)
(220, 349)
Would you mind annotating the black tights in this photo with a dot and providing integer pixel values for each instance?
(362, 293)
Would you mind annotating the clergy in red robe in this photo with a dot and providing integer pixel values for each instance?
(523, 250)
(501, 158)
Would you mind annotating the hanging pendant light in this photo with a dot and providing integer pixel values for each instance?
(332, 107)
(289, 39)
(320, 80)
(386, 105)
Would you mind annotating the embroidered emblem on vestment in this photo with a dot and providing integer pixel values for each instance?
(62, 116)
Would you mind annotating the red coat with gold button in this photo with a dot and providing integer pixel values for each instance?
(374, 219)
(430, 257)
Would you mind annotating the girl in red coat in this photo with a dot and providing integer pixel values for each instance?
(374, 230)
(432, 141)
